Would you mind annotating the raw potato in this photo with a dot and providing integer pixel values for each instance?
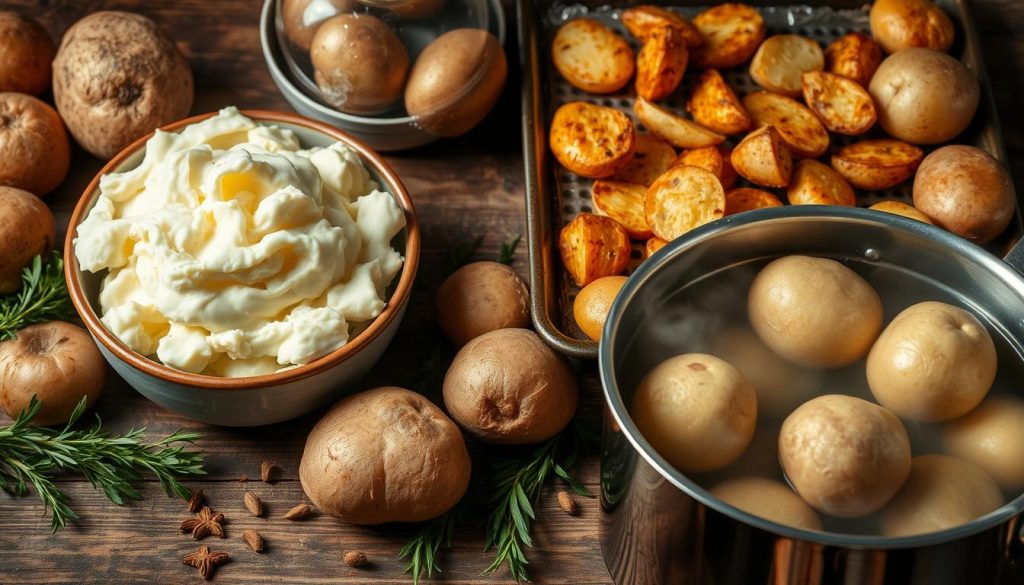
(481, 297)
(359, 63)
(652, 156)
(905, 24)
(384, 455)
(710, 158)
(508, 387)
(901, 208)
(56, 362)
(877, 163)
(591, 56)
(845, 456)
(301, 18)
(817, 184)
(653, 245)
(934, 362)
(593, 246)
(116, 77)
(28, 231)
(966, 191)
(34, 151)
(642, 21)
(782, 59)
(592, 141)
(763, 158)
(797, 125)
(592, 304)
(768, 499)
(992, 436)
(678, 131)
(841, 104)
(28, 52)
(731, 32)
(923, 96)
(854, 56)
(714, 104)
(623, 202)
(697, 411)
(682, 199)
(661, 63)
(748, 198)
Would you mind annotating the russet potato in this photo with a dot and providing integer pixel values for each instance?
(27, 51)
(34, 151)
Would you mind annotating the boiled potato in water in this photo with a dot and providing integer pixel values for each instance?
(992, 436)
(768, 499)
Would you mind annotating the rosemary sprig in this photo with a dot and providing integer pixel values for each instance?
(43, 297)
(115, 464)
(507, 255)
(422, 549)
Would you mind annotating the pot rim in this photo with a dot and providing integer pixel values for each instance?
(706, 234)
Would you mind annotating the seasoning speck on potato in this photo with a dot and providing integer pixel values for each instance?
(479, 298)
(592, 141)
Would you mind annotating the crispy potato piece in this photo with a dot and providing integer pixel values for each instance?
(841, 104)
(661, 64)
(748, 198)
(652, 156)
(640, 21)
(901, 208)
(592, 56)
(797, 125)
(710, 158)
(731, 32)
(815, 183)
(855, 56)
(592, 141)
(906, 24)
(715, 105)
(593, 246)
(782, 59)
(623, 202)
(763, 158)
(682, 199)
(678, 131)
(653, 245)
(877, 164)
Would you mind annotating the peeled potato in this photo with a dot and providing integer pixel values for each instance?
(992, 436)
(593, 246)
(592, 141)
(877, 164)
(768, 499)
(592, 56)
(731, 32)
(763, 158)
(678, 131)
(796, 124)
(841, 104)
(682, 199)
(748, 198)
(854, 56)
(904, 24)
(592, 304)
(714, 104)
(642, 21)
(782, 59)
(652, 156)
(814, 183)
(901, 208)
(623, 202)
(661, 63)
(710, 158)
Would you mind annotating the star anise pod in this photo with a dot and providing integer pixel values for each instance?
(206, 561)
(203, 524)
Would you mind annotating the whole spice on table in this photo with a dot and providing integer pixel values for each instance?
(195, 501)
(253, 539)
(356, 559)
(253, 503)
(567, 504)
(300, 512)
(267, 472)
(206, 561)
(205, 523)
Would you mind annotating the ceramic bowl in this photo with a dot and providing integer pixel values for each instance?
(256, 400)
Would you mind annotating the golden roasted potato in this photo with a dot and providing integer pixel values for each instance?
(652, 156)
(678, 131)
(682, 199)
(710, 158)
(592, 141)
(908, 24)
(661, 64)
(763, 158)
(748, 198)
(623, 202)
(842, 104)
(878, 163)
(782, 59)
(815, 183)
(797, 125)
(731, 32)
(901, 208)
(641, 21)
(592, 56)
(855, 56)
(653, 245)
(715, 105)
(593, 246)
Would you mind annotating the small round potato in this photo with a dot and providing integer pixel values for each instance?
(479, 298)
(845, 456)
(27, 54)
(992, 436)
(28, 230)
(302, 18)
(34, 151)
(905, 24)
(901, 208)
(768, 499)
(781, 60)
(697, 411)
(592, 304)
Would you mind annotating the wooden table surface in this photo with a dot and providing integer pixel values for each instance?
(462, 188)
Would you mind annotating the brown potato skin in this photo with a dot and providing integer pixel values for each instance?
(293, 17)
(966, 191)
(34, 150)
(509, 388)
(415, 8)
(117, 76)
(479, 298)
(27, 51)
(28, 230)
(906, 24)
(385, 455)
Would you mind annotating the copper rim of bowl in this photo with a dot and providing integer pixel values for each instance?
(156, 369)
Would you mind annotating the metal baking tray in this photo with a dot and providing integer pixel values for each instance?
(554, 195)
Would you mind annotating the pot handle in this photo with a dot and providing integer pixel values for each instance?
(1015, 256)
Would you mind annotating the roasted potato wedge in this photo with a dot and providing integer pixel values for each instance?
(748, 198)
(623, 202)
(877, 164)
(842, 104)
(710, 158)
(682, 199)
(797, 125)
(678, 131)
(593, 246)
(815, 183)
(641, 21)
(661, 63)
(653, 245)
(714, 104)
(901, 208)
(592, 141)
(731, 32)
(652, 156)
(592, 56)
(763, 158)
(782, 59)
(907, 24)
(855, 56)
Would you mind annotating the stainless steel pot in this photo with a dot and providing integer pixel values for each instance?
(661, 527)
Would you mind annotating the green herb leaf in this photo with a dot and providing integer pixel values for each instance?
(508, 250)
(43, 297)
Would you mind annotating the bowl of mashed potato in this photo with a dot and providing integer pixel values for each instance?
(243, 267)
